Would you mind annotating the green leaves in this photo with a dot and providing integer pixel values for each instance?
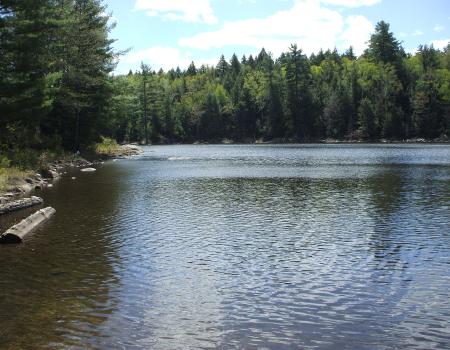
(56, 57)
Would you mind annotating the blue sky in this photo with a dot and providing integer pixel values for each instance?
(170, 33)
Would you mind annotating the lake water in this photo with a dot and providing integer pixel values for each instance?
(239, 247)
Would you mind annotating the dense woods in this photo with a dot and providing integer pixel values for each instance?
(57, 88)
(55, 65)
(384, 93)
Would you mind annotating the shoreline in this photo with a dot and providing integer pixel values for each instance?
(34, 179)
(298, 142)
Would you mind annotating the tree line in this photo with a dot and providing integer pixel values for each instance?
(57, 88)
(383, 94)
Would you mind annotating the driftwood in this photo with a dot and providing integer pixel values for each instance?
(20, 204)
(17, 233)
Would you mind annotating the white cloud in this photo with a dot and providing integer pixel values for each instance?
(198, 11)
(165, 57)
(440, 44)
(357, 33)
(351, 3)
(438, 28)
(412, 51)
(417, 32)
(307, 23)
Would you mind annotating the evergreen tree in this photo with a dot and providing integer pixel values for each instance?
(145, 75)
(299, 101)
(235, 66)
(222, 67)
(192, 70)
(26, 73)
(383, 47)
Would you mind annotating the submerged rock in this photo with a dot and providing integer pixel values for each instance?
(88, 170)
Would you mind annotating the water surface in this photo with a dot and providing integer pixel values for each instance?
(239, 247)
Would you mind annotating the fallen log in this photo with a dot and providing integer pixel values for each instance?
(20, 204)
(17, 233)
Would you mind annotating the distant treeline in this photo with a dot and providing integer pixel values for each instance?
(57, 90)
(385, 93)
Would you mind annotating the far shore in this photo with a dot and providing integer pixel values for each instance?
(421, 141)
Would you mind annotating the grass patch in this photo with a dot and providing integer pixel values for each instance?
(10, 177)
(107, 147)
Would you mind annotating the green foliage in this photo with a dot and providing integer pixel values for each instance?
(56, 89)
(378, 95)
(28, 158)
(383, 47)
(107, 146)
(4, 161)
(55, 60)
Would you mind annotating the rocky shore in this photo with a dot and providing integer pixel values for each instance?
(45, 178)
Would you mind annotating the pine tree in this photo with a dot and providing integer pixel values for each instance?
(86, 59)
(192, 70)
(298, 80)
(222, 67)
(235, 66)
(145, 73)
(26, 60)
(383, 47)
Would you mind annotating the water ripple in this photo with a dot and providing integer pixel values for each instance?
(268, 247)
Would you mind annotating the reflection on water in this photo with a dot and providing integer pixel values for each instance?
(280, 247)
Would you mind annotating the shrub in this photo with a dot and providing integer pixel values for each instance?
(107, 146)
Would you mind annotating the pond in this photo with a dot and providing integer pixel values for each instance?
(239, 247)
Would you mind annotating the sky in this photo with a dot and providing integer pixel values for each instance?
(170, 33)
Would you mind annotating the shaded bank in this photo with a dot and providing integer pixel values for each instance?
(17, 182)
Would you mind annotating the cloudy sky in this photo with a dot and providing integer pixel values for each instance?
(170, 33)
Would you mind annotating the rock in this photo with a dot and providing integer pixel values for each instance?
(18, 190)
(131, 150)
(26, 187)
(30, 181)
(88, 170)
(38, 187)
(53, 174)
(20, 204)
(50, 173)
(74, 178)
(17, 233)
(49, 185)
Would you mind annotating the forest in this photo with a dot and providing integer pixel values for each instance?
(58, 89)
